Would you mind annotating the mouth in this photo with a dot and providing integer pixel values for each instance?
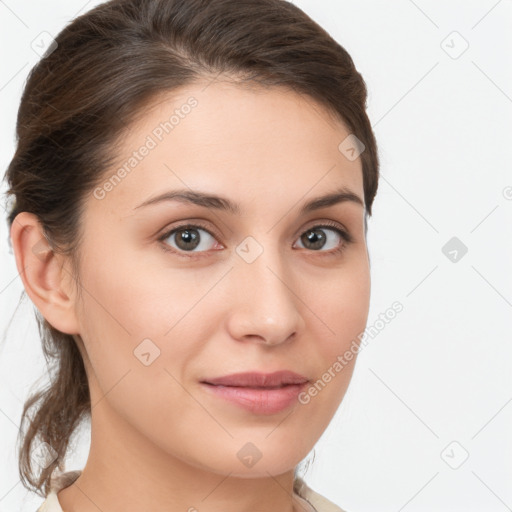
(258, 380)
(258, 393)
(248, 387)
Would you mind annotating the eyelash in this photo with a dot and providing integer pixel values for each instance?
(347, 238)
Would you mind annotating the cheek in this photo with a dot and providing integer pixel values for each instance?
(140, 342)
(342, 305)
(132, 321)
(342, 300)
(131, 292)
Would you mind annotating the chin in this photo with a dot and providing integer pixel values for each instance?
(255, 460)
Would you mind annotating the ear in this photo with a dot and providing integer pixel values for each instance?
(46, 276)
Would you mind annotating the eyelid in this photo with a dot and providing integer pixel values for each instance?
(319, 223)
(192, 223)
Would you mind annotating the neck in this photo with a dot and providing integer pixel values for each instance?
(126, 472)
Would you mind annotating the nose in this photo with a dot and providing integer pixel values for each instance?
(264, 305)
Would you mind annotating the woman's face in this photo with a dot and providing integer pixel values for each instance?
(259, 287)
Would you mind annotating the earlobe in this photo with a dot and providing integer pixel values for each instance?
(46, 277)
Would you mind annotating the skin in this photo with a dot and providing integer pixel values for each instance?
(158, 440)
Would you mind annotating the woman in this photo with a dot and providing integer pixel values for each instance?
(192, 183)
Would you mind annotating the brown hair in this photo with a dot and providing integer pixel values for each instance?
(79, 99)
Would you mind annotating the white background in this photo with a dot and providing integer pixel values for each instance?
(436, 376)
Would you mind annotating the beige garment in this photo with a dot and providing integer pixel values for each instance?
(306, 499)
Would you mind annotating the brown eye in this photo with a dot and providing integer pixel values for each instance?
(314, 238)
(188, 238)
(330, 238)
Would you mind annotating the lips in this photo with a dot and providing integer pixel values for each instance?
(274, 380)
(258, 393)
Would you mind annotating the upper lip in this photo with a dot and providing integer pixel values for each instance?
(258, 379)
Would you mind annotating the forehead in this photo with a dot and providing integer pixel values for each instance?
(250, 143)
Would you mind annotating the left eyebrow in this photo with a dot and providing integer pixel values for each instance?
(205, 200)
(339, 196)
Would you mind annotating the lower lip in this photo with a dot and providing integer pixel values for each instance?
(259, 401)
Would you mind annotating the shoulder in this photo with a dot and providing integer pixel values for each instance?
(58, 482)
(319, 502)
